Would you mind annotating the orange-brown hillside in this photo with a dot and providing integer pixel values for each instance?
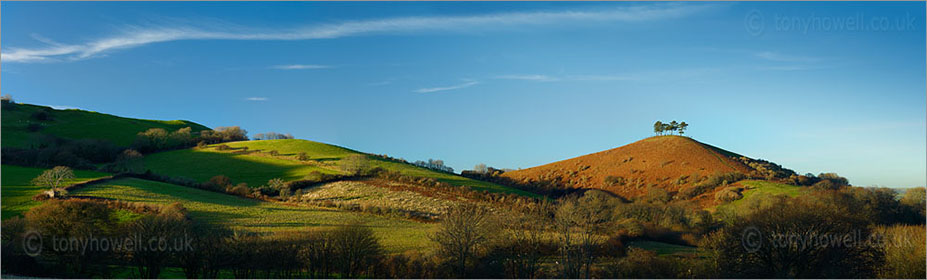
(672, 163)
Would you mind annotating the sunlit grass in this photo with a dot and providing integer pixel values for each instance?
(397, 235)
(17, 191)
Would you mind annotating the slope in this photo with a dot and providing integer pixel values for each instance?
(259, 216)
(669, 162)
(252, 162)
(17, 190)
(23, 124)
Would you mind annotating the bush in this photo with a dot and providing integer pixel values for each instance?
(765, 244)
(354, 249)
(241, 189)
(714, 181)
(615, 181)
(729, 194)
(640, 263)
(904, 252)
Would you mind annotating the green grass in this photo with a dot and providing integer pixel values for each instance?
(257, 168)
(202, 164)
(16, 191)
(78, 124)
(757, 187)
(662, 248)
(258, 216)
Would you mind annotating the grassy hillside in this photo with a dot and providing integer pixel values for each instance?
(259, 216)
(753, 188)
(76, 124)
(669, 162)
(16, 191)
(250, 162)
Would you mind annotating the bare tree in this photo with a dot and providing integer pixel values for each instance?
(582, 224)
(355, 248)
(481, 168)
(54, 178)
(464, 231)
(354, 164)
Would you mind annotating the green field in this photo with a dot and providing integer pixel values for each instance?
(77, 124)
(16, 191)
(662, 248)
(756, 187)
(258, 216)
(257, 168)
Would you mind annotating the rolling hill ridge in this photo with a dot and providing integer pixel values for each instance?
(25, 124)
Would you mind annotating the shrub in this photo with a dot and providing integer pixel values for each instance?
(354, 249)
(223, 147)
(904, 251)
(729, 194)
(718, 179)
(615, 180)
(764, 244)
(241, 189)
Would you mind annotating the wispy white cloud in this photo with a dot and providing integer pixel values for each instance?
(256, 99)
(135, 36)
(453, 87)
(299, 66)
(775, 56)
(535, 77)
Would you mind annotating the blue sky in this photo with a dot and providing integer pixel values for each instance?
(816, 87)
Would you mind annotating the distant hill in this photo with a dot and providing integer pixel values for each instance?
(23, 124)
(251, 162)
(672, 163)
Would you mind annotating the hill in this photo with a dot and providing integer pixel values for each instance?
(23, 124)
(253, 162)
(397, 235)
(672, 163)
(17, 190)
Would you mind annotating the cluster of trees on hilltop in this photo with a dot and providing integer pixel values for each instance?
(272, 136)
(659, 127)
(434, 164)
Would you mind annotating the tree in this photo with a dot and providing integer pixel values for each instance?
(73, 219)
(355, 248)
(279, 185)
(354, 164)
(481, 168)
(658, 128)
(54, 178)
(673, 125)
(464, 231)
(582, 223)
(682, 128)
(797, 238)
(169, 228)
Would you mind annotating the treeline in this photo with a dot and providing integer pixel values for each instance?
(48, 150)
(271, 136)
(434, 164)
(166, 237)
